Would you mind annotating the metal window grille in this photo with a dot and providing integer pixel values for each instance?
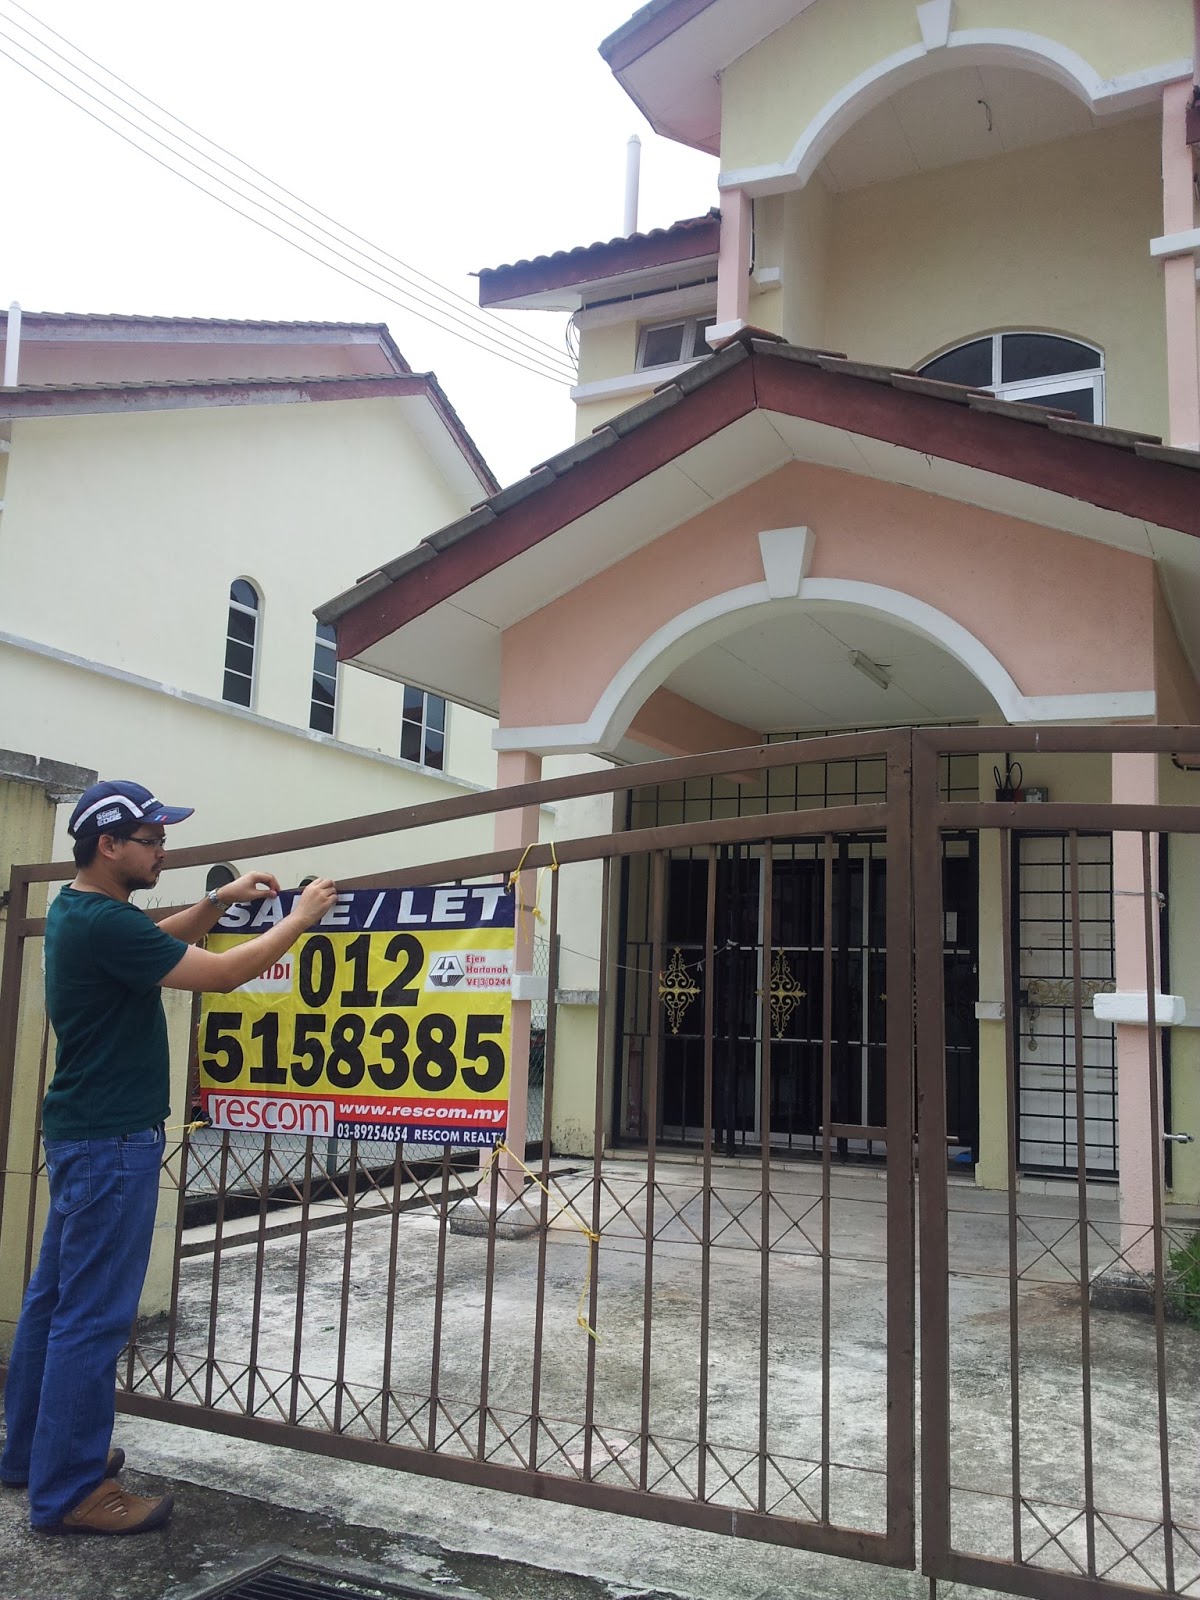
(1046, 1039)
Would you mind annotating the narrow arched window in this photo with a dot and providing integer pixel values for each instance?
(1039, 369)
(323, 703)
(241, 643)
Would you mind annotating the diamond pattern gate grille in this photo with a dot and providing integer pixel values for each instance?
(754, 1373)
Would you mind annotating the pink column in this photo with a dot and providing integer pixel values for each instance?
(514, 830)
(1134, 782)
(1179, 272)
(733, 264)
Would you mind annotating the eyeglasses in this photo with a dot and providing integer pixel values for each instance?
(155, 844)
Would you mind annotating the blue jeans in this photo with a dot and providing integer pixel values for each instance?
(59, 1400)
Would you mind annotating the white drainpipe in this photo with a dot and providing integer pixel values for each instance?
(12, 346)
(633, 168)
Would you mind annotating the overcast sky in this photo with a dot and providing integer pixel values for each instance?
(454, 136)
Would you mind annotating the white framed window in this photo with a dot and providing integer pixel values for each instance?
(322, 707)
(423, 728)
(219, 876)
(241, 643)
(1040, 369)
(663, 344)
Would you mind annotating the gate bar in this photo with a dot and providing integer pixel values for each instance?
(764, 1276)
(1085, 1277)
(1012, 1152)
(602, 1039)
(535, 1399)
(826, 1173)
(931, 1141)
(710, 939)
(1149, 905)
(656, 967)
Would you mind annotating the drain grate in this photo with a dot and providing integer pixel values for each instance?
(284, 1580)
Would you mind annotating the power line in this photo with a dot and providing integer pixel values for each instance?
(528, 359)
(403, 269)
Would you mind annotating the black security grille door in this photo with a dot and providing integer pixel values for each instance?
(858, 1039)
(858, 1002)
(739, 980)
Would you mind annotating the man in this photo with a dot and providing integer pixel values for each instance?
(102, 1125)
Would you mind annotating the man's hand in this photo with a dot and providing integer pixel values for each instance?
(253, 885)
(223, 971)
(315, 900)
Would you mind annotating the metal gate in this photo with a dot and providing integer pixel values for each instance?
(714, 1342)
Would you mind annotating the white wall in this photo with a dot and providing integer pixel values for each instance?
(121, 534)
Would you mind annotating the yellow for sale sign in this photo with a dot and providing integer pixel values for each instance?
(390, 1019)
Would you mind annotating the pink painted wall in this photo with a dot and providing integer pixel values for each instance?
(146, 361)
(1174, 681)
(1063, 614)
(679, 727)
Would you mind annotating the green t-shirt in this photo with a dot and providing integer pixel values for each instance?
(104, 961)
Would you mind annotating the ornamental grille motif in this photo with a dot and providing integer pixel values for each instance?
(1061, 991)
(786, 994)
(676, 990)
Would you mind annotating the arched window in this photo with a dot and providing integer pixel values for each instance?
(241, 642)
(219, 876)
(323, 702)
(1040, 369)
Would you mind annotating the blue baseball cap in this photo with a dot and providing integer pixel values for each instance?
(108, 803)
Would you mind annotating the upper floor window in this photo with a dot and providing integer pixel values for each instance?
(674, 341)
(423, 730)
(1038, 368)
(241, 643)
(324, 680)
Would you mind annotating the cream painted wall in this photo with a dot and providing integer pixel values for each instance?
(807, 221)
(242, 774)
(771, 94)
(121, 534)
(608, 352)
(1055, 238)
(580, 889)
(26, 829)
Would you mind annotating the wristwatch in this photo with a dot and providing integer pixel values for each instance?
(214, 899)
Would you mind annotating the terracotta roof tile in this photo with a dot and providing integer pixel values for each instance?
(690, 239)
(34, 400)
(712, 369)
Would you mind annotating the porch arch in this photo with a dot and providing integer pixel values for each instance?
(647, 668)
(1005, 47)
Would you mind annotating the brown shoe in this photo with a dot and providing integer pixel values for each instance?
(111, 1509)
